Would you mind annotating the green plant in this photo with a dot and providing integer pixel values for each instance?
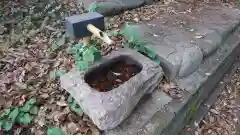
(18, 115)
(132, 35)
(73, 105)
(59, 73)
(85, 55)
(55, 131)
(93, 6)
(193, 108)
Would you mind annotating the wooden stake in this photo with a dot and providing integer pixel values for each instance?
(86, 40)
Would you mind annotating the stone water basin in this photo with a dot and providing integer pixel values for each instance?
(110, 89)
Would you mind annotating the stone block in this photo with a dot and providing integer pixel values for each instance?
(77, 24)
(112, 7)
(109, 109)
(148, 106)
(192, 58)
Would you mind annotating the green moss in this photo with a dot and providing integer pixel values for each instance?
(193, 108)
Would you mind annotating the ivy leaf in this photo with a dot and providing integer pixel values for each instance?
(88, 55)
(74, 105)
(76, 108)
(13, 114)
(59, 73)
(96, 52)
(113, 33)
(77, 48)
(97, 55)
(1, 123)
(55, 131)
(19, 117)
(31, 101)
(70, 99)
(151, 52)
(5, 113)
(27, 106)
(34, 110)
(24, 118)
(81, 65)
(77, 57)
(157, 61)
(131, 32)
(141, 48)
(93, 6)
(7, 125)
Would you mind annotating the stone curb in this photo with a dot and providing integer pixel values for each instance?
(205, 106)
(188, 109)
(113, 7)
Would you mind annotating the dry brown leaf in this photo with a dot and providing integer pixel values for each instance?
(62, 103)
(96, 132)
(72, 127)
(2, 100)
(199, 36)
(44, 96)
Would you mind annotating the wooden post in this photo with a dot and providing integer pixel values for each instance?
(86, 40)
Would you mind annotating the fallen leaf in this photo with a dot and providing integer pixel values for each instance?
(208, 74)
(61, 103)
(13, 114)
(44, 96)
(2, 29)
(72, 127)
(21, 85)
(199, 36)
(24, 118)
(96, 132)
(2, 100)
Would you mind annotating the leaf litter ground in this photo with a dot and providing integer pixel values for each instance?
(223, 116)
(32, 49)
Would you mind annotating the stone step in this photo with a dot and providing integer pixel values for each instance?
(205, 106)
(195, 56)
(111, 7)
(175, 114)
